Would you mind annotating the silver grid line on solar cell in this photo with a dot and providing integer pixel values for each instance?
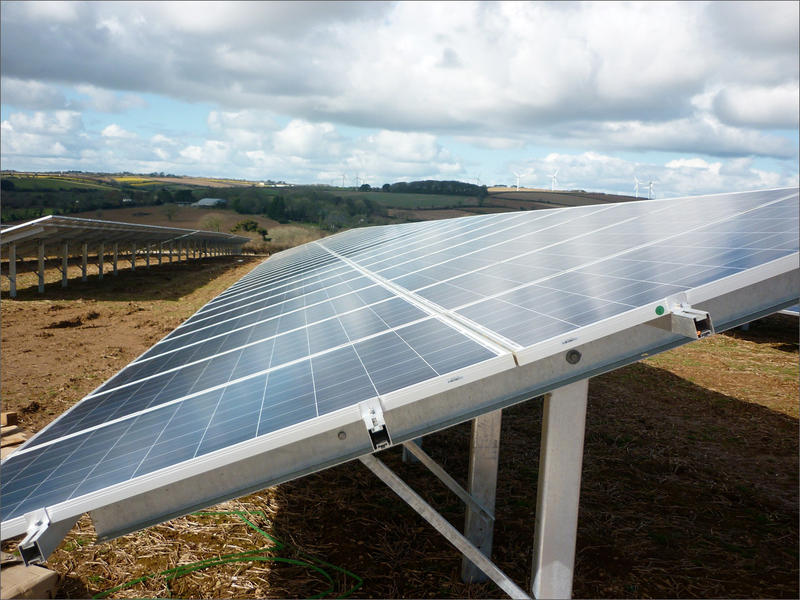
(398, 315)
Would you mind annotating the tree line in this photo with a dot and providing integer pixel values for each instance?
(433, 186)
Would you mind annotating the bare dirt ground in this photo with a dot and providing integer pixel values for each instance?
(689, 490)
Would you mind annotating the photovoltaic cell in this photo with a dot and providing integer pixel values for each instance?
(374, 311)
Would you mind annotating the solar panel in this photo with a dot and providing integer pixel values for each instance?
(396, 313)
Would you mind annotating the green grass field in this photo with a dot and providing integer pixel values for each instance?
(22, 183)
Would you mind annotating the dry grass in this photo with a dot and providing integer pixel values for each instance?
(185, 217)
(689, 489)
(289, 236)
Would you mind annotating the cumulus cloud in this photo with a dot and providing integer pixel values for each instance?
(689, 175)
(212, 153)
(57, 122)
(761, 106)
(302, 138)
(407, 65)
(31, 94)
(107, 101)
(114, 131)
(286, 83)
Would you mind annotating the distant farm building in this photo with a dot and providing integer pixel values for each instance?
(210, 202)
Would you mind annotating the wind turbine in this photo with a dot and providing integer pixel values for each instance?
(343, 176)
(650, 185)
(478, 179)
(636, 187)
(517, 175)
(554, 180)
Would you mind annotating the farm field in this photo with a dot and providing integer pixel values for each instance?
(191, 217)
(690, 478)
(43, 182)
(187, 217)
(414, 201)
(555, 199)
(67, 180)
(142, 180)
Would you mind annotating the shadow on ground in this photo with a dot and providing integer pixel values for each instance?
(686, 492)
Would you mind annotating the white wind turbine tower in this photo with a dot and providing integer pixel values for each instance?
(650, 185)
(554, 180)
(343, 177)
(517, 175)
(636, 187)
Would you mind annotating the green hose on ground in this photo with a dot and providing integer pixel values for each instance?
(257, 555)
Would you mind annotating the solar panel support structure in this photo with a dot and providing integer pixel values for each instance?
(408, 455)
(84, 260)
(116, 256)
(40, 266)
(42, 536)
(64, 263)
(101, 256)
(441, 524)
(558, 365)
(12, 270)
(558, 491)
(484, 456)
(422, 457)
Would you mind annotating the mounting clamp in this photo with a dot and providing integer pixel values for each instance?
(679, 317)
(42, 536)
(372, 414)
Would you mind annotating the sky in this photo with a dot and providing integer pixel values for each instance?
(699, 97)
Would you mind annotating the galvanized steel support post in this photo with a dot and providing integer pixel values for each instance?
(558, 493)
(133, 256)
(408, 456)
(116, 256)
(484, 456)
(101, 258)
(64, 263)
(41, 266)
(84, 260)
(160, 251)
(147, 255)
(12, 270)
(170, 252)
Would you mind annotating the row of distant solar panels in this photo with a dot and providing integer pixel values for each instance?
(326, 325)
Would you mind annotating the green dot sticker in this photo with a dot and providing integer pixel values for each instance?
(659, 310)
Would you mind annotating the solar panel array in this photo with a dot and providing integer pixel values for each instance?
(371, 311)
